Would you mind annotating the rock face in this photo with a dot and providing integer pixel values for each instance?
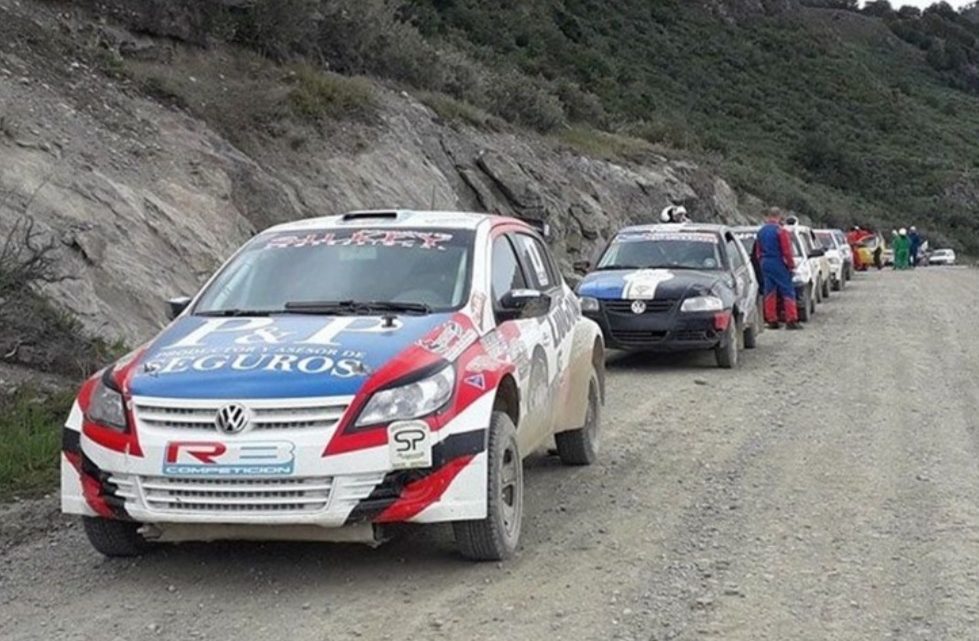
(147, 201)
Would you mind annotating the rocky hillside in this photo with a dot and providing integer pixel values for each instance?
(117, 144)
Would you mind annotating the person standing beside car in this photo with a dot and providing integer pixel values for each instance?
(915, 246)
(773, 248)
(902, 249)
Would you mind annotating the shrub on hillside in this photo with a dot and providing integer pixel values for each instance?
(318, 95)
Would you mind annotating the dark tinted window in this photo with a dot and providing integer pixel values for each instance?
(536, 260)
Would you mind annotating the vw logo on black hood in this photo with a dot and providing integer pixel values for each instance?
(232, 419)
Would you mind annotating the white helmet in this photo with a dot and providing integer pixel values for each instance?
(674, 214)
(903, 231)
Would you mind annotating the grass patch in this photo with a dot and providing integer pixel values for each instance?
(593, 142)
(321, 95)
(30, 425)
(458, 111)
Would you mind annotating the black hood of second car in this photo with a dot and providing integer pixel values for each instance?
(654, 284)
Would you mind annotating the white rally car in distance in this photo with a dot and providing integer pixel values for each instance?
(338, 375)
(834, 254)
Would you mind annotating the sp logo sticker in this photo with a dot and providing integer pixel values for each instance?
(409, 444)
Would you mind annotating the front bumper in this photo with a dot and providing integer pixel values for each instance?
(301, 487)
(661, 328)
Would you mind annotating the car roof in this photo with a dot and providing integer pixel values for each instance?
(398, 218)
(677, 227)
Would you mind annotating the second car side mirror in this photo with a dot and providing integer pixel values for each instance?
(581, 266)
(816, 253)
(523, 303)
(176, 306)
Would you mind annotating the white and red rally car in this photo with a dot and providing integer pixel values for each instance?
(338, 375)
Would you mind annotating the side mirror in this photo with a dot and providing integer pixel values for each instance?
(523, 303)
(581, 266)
(176, 306)
(817, 252)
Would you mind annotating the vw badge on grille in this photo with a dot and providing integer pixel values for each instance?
(638, 306)
(232, 419)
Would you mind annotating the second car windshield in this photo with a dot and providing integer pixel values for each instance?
(826, 240)
(652, 250)
(428, 268)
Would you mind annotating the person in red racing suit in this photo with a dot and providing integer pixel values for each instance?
(773, 249)
(853, 238)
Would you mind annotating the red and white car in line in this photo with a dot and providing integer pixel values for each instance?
(338, 375)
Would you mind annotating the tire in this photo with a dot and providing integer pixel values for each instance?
(727, 352)
(825, 287)
(750, 336)
(838, 284)
(495, 537)
(580, 446)
(805, 306)
(847, 273)
(115, 538)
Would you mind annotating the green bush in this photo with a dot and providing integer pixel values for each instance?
(29, 450)
(320, 95)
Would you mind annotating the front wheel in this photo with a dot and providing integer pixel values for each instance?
(727, 352)
(580, 446)
(750, 336)
(804, 306)
(495, 537)
(115, 538)
(825, 289)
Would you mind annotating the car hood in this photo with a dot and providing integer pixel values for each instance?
(649, 284)
(273, 357)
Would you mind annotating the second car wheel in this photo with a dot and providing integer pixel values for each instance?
(825, 289)
(750, 336)
(726, 352)
(804, 306)
(495, 537)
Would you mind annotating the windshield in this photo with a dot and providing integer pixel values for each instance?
(427, 268)
(661, 249)
(826, 239)
(747, 239)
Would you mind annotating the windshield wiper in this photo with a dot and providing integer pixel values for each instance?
(356, 308)
(611, 267)
(239, 312)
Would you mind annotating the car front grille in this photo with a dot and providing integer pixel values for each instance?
(266, 415)
(693, 335)
(655, 306)
(637, 338)
(253, 496)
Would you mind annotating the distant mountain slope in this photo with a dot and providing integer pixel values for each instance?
(825, 111)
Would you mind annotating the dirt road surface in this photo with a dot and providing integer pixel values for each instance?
(827, 490)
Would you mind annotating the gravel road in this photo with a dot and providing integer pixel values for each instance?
(827, 490)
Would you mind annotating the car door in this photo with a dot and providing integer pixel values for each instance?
(514, 340)
(744, 278)
(552, 338)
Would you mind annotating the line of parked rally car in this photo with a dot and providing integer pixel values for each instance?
(345, 374)
(690, 286)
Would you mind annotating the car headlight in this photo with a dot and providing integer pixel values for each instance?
(107, 407)
(589, 304)
(702, 304)
(835, 260)
(409, 401)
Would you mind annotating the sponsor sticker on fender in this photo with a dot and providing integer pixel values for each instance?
(215, 458)
(409, 444)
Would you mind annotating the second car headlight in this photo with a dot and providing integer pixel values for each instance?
(702, 304)
(409, 401)
(589, 304)
(107, 408)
